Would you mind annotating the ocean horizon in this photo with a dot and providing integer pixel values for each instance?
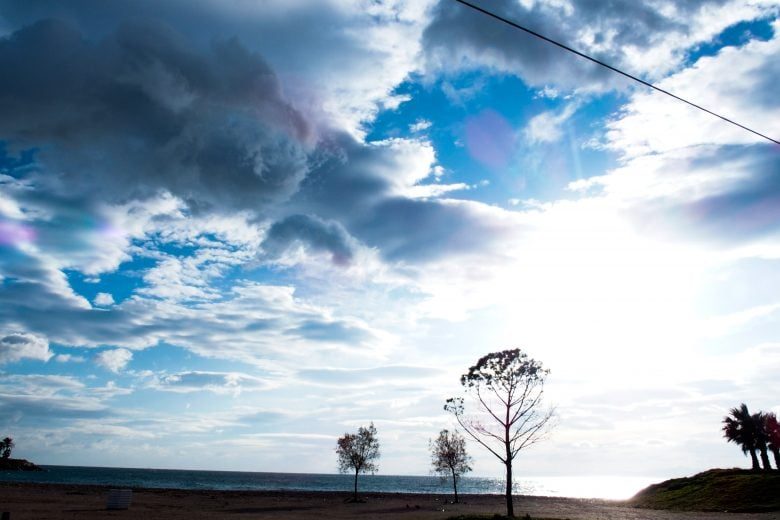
(604, 487)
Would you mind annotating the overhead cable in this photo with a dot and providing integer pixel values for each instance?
(608, 66)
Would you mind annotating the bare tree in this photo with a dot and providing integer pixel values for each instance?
(449, 457)
(507, 388)
(359, 453)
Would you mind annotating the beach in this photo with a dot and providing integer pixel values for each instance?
(58, 501)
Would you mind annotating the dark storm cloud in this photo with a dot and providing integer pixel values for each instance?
(139, 111)
(458, 32)
(356, 185)
(311, 232)
(426, 230)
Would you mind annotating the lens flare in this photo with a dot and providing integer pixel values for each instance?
(490, 139)
(14, 233)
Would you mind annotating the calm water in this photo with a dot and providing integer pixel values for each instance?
(582, 487)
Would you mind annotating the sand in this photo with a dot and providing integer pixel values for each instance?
(49, 501)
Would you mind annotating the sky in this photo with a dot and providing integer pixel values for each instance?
(232, 231)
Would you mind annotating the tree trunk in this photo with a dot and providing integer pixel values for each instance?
(754, 459)
(510, 509)
(356, 475)
(776, 453)
(455, 485)
(765, 458)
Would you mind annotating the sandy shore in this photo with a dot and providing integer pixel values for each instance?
(50, 501)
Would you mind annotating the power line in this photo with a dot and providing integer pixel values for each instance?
(610, 67)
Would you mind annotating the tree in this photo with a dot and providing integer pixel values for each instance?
(739, 427)
(449, 457)
(507, 388)
(6, 446)
(762, 438)
(358, 452)
(772, 428)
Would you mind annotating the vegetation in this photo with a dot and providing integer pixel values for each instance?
(507, 387)
(734, 490)
(359, 453)
(449, 457)
(6, 446)
(773, 433)
(756, 434)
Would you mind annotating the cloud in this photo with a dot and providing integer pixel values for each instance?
(217, 382)
(686, 175)
(377, 376)
(69, 358)
(114, 360)
(103, 300)
(341, 81)
(371, 190)
(653, 123)
(317, 330)
(646, 38)
(210, 127)
(40, 399)
(311, 233)
(17, 346)
(420, 125)
(547, 126)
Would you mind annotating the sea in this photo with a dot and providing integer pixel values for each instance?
(605, 487)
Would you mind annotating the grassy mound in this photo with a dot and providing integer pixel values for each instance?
(735, 490)
(18, 465)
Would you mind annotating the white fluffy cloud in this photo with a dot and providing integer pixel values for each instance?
(737, 82)
(17, 346)
(114, 360)
(103, 299)
(547, 127)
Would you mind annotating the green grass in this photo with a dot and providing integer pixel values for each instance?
(734, 490)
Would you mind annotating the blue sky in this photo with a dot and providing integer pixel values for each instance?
(229, 233)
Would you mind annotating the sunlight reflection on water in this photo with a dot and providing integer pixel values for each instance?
(609, 487)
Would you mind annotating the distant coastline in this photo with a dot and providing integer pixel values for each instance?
(18, 465)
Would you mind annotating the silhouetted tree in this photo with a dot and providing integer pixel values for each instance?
(762, 439)
(772, 428)
(358, 452)
(6, 446)
(449, 457)
(508, 387)
(740, 428)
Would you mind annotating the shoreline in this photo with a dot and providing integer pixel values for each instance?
(26, 500)
(607, 487)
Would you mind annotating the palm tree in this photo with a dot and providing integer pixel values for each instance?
(772, 428)
(762, 438)
(740, 428)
